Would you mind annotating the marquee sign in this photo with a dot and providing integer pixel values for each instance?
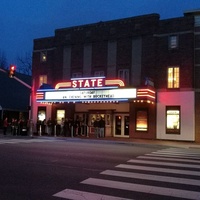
(83, 95)
(94, 89)
(87, 89)
(90, 83)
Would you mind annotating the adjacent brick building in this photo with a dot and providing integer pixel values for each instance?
(157, 58)
(15, 96)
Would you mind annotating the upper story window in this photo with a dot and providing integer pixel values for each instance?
(88, 34)
(99, 73)
(76, 75)
(173, 76)
(112, 31)
(43, 56)
(197, 20)
(124, 75)
(137, 26)
(68, 37)
(42, 79)
(173, 42)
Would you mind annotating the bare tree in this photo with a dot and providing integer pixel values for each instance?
(25, 64)
(3, 60)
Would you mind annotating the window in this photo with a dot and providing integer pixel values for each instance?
(173, 77)
(99, 73)
(137, 26)
(67, 37)
(88, 34)
(94, 117)
(141, 120)
(43, 56)
(173, 119)
(112, 31)
(197, 21)
(41, 113)
(124, 75)
(59, 115)
(42, 79)
(76, 75)
(173, 42)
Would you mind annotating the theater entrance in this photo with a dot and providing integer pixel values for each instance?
(121, 125)
(107, 117)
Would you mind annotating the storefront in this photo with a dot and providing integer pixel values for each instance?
(127, 112)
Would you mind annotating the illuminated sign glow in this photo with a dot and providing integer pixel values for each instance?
(83, 95)
(145, 92)
(115, 82)
(90, 83)
(91, 94)
(93, 89)
(87, 83)
(39, 95)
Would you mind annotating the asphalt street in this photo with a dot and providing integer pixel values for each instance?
(80, 168)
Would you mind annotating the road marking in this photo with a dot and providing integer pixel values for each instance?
(169, 159)
(176, 153)
(164, 163)
(172, 156)
(80, 195)
(157, 169)
(157, 159)
(152, 177)
(143, 188)
(181, 150)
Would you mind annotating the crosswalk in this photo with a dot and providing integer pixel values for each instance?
(172, 173)
(21, 140)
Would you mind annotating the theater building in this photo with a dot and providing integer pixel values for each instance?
(140, 74)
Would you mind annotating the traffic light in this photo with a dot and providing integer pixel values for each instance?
(12, 71)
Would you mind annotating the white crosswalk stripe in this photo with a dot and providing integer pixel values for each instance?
(171, 173)
(81, 195)
(157, 169)
(143, 188)
(151, 177)
(164, 163)
(169, 159)
(173, 156)
(175, 153)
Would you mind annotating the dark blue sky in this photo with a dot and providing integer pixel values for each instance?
(21, 21)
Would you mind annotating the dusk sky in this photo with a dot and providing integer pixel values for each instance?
(21, 21)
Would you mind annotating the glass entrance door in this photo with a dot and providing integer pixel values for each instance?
(121, 124)
(118, 125)
(126, 125)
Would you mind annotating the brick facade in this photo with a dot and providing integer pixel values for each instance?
(139, 44)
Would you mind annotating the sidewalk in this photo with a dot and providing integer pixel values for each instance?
(177, 144)
(169, 143)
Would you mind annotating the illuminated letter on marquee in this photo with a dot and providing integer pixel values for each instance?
(87, 83)
(90, 83)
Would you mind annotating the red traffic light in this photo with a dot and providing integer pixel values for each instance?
(12, 67)
(12, 71)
